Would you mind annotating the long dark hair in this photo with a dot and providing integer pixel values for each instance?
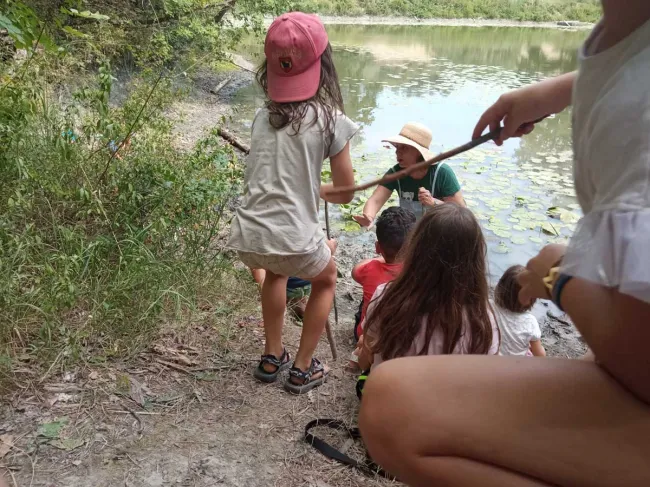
(328, 98)
(443, 282)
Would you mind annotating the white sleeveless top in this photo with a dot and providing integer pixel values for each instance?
(611, 139)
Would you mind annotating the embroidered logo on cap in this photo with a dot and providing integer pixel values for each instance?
(285, 64)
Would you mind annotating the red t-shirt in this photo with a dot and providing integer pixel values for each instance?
(370, 276)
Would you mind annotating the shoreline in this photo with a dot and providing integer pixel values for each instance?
(439, 22)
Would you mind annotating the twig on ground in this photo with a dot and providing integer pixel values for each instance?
(137, 418)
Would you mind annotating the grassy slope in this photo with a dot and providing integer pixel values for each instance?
(530, 10)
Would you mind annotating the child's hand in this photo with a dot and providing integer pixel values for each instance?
(532, 279)
(357, 350)
(363, 220)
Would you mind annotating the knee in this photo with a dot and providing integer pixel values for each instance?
(326, 279)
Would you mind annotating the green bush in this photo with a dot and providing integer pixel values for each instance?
(96, 246)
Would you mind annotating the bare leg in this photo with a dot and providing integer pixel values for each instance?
(317, 311)
(274, 295)
(452, 420)
(258, 276)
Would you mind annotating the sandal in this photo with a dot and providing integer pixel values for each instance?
(300, 381)
(280, 364)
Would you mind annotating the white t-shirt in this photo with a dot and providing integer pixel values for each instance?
(517, 331)
(279, 211)
(436, 343)
(611, 140)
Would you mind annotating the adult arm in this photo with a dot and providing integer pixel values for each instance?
(517, 109)
(457, 198)
(373, 205)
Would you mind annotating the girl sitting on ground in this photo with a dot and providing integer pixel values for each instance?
(439, 303)
(277, 226)
(520, 332)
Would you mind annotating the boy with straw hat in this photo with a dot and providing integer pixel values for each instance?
(431, 186)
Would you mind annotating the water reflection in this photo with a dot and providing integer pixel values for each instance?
(445, 77)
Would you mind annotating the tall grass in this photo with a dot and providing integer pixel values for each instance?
(97, 246)
(529, 10)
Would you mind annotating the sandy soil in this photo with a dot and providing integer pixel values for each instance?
(187, 411)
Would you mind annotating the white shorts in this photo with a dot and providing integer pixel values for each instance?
(304, 266)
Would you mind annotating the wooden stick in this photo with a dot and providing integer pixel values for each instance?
(493, 135)
(230, 138)
(328, 329)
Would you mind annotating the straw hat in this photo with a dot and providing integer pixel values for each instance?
(416, 135)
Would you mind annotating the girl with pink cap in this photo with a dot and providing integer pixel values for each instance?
(277, 226)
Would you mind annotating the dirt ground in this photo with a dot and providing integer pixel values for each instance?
(187, 412)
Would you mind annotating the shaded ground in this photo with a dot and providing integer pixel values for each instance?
(187, 412)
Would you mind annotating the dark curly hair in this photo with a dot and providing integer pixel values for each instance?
(393, 226)
(506, 294)
(328, 98)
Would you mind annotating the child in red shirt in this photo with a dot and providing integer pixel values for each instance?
(393, 226)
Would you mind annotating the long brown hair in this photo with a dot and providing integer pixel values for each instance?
(443, 282)
(328, 98)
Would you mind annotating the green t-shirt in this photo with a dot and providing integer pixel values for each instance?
(408, 188)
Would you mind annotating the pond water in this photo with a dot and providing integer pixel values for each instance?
(445, 77)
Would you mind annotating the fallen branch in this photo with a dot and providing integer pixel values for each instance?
(221, 85)
(232, 140)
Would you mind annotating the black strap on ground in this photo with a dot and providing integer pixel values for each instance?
(367, 467)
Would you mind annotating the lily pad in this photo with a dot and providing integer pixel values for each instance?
(502, 233)
(535, 239)
(569, 217)
(550, 229)
(502, 249)
(519, 228)
(518, 240)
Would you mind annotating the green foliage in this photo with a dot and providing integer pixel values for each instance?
(531, 10)
(105, 227)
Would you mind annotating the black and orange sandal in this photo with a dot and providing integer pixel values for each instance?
(302, 381)
(280, 364)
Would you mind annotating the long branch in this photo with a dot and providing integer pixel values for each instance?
(493, 135)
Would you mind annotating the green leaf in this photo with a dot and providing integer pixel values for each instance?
(52, 430)
(87, 14)
(74, 32)
(535, 239)
(68, 444)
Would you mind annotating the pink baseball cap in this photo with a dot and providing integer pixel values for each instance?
(293, 48)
